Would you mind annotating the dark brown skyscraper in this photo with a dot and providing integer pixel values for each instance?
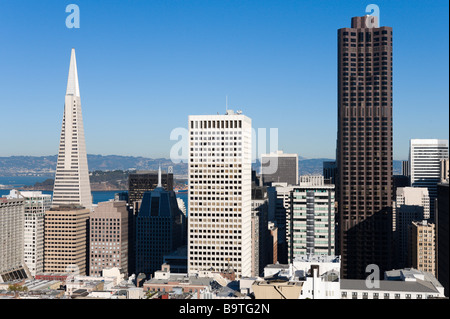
(364, 146)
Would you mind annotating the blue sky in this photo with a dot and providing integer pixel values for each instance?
(144, 66)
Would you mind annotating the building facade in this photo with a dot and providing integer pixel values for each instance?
(12, 221)
(72, 185)
(108, 226)
(425, 157)
(66, 243)
(219, 204)
(36, 204)
(412, 204)
(423, 246)
(279, 168)
(442, 240)
(159, 230)
(364, 145)
(312, 221)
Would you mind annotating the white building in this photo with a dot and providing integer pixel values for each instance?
(72, 184)
(36, 204)
(313, 218)
(397, 284)
(219, 226)
(12, 222)
(425, 157)
(318, 275)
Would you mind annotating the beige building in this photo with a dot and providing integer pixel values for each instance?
(65, 245)
(108, 237)
(423, 246)
(277, 289)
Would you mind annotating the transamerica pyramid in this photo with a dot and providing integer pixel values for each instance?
(72, 184)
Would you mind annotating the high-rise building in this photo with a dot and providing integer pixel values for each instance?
(312, 220)
(411, 204)
(364, 146)
(425, 157)
(279, 167)
(219, 204)
(12, 221)
(72, 184)
(262, 242)
(36, 204)
(442, 240)
(159, 229)
(280, 213)
(422, 246)
(108, 225)
(66, 243)
(330, 171)
(405, 168)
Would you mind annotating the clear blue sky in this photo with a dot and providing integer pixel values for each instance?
(144, 66)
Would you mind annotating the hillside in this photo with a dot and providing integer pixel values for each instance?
(45, 165)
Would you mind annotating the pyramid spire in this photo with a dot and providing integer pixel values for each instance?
(73, 87)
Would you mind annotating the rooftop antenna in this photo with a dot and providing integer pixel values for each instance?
(159, 176)
(226, 103)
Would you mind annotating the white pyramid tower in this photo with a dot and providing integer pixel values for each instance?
(72, 184)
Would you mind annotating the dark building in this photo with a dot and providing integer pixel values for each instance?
(159, 230)
(279, 168)
(330, 171)
(399, 181)
(146, 181)
(364, 146)
(262, 241)
(139, 183)
(442, 240)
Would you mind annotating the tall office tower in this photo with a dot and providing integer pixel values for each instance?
(108, 237)
(425, 157)
(442, 241)
(312, 220)
(279, 167)
(330, 171)
(66, 239)
(72, 184)
(411, 204)
(445, 170)
(36, 204)
(159, 229)
(12, 222)
(405, 168)
(422, 246)
(364, 145)
(262, 243)
(279, 212)
(219, 204)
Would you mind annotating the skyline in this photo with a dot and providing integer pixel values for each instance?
(216, 50)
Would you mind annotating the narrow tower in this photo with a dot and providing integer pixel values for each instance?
(72, 176)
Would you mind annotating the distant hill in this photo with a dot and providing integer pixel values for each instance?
(46, 165)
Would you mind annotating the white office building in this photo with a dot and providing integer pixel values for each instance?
(425, 157)
(12, 222)
(219, 204)
(36, 204)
